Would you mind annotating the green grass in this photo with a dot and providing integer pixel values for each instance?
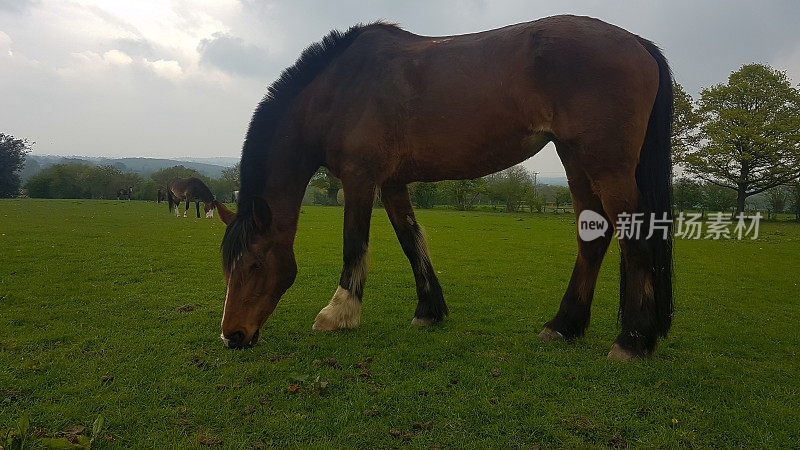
(89, 289)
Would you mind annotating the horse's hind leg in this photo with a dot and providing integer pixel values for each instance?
(638, 311)
(572, 318)
(186, 211)
(344, 309)
(431, 307)
(197, 206)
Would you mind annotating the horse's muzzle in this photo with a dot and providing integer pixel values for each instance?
(236, 340)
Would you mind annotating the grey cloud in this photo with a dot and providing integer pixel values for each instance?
(112, 19)
(137, 48)
(234, 55)
(17, 6)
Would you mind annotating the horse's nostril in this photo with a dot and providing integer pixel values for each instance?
(235, 340)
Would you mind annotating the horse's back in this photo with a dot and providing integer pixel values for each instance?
(437, 101)
(190, 188)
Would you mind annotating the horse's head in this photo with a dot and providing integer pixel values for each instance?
(258, 265)
(208, 207)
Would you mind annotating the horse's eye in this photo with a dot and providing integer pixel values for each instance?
(255, 266)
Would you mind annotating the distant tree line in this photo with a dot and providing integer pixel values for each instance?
(512, 190)
(78, 180)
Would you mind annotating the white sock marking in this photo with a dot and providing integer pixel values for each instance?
(343, 311)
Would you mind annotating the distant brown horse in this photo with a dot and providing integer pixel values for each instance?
(124, 193)
(381, 107)
(190, 190)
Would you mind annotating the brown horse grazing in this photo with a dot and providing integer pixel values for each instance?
(190, 190)
(124, 193)
(381, 107)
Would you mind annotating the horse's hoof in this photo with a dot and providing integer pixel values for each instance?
(418, 322)
(618, 353)
(343, 311)
(548, 335)
(321, 325)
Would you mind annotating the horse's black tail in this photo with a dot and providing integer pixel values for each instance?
(654, 178)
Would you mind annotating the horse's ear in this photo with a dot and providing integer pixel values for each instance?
(225, 214)
(262, 215)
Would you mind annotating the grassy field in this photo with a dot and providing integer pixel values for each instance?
(89, 327)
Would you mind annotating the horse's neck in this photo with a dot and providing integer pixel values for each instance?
(285, 186)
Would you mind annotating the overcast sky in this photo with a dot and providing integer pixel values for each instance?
(160, 78)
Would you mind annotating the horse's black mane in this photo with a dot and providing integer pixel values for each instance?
(280, 95)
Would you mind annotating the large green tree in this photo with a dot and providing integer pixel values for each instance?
(685, 121)
(12, 159)
(749, 139)
(510, 187)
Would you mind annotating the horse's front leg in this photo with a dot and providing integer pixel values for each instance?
(186, 211)
(197, 206)
(431, 307)
(344, 309)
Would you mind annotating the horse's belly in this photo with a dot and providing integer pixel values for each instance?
(456, 162)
